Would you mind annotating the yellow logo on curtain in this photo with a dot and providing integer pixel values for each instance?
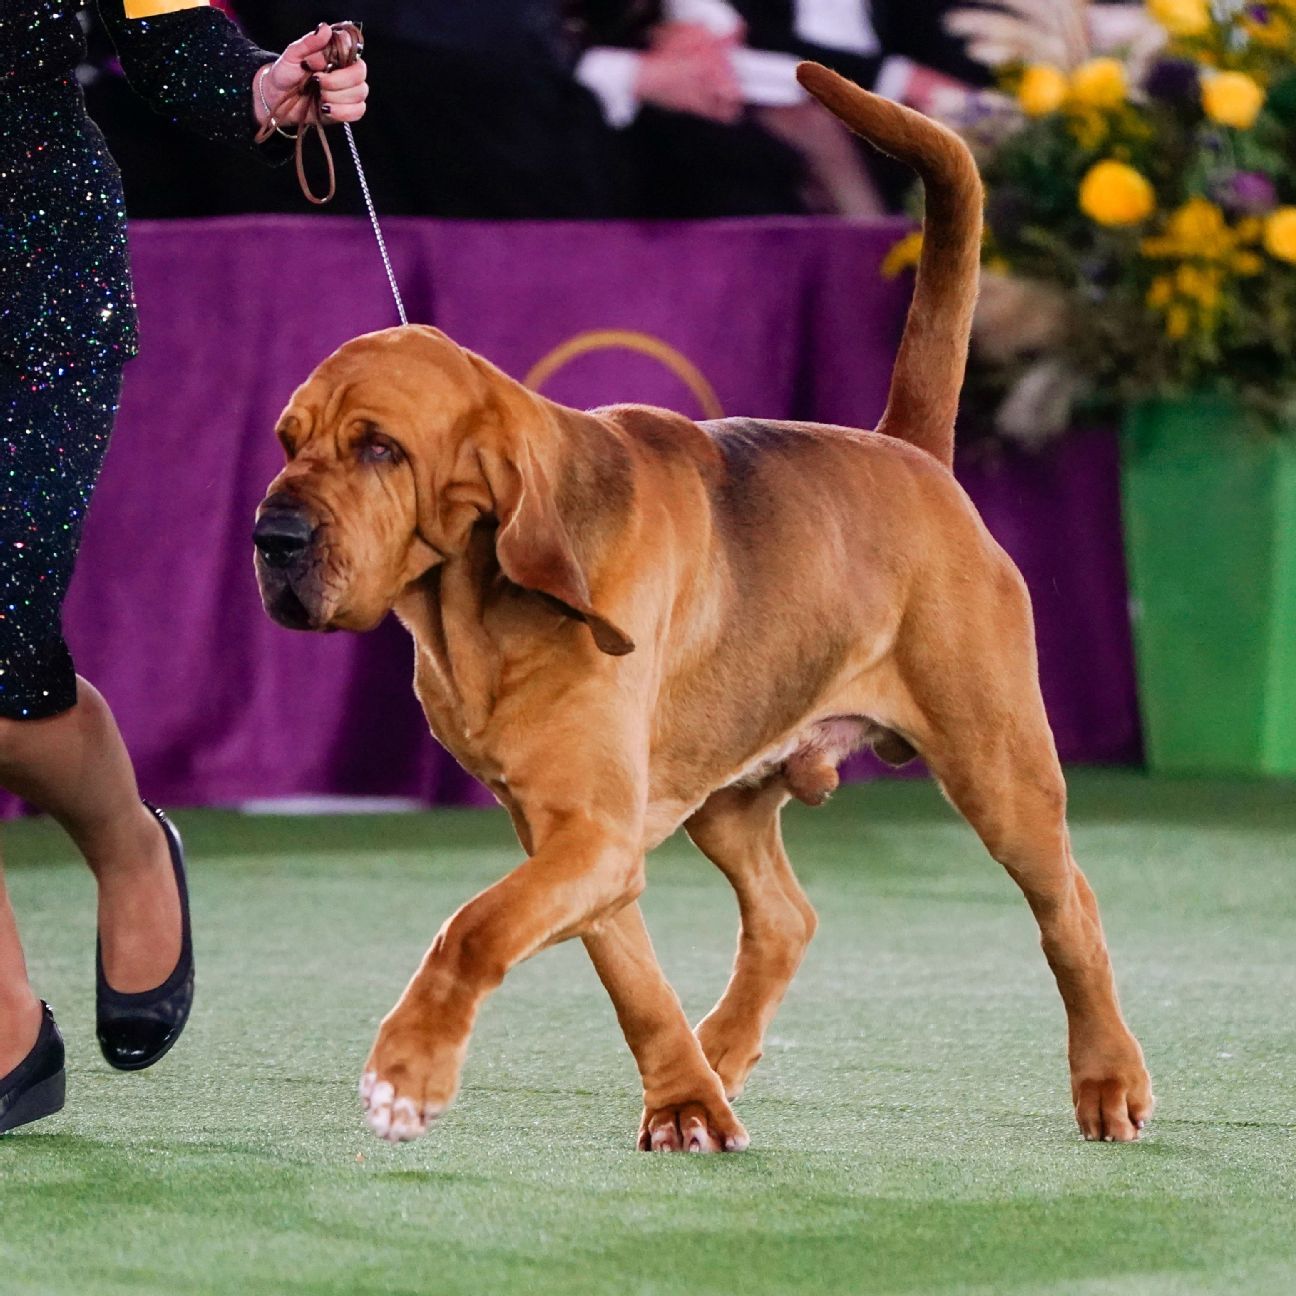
(152, 8)
(628, 340)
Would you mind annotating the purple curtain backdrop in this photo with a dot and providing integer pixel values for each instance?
(782, 318)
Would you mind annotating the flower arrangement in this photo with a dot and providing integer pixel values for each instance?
(1141, 214)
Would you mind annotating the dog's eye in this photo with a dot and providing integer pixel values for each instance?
(378, 450)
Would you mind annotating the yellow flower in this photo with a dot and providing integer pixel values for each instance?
(1113, 193)
(1247, 264)
(1200, 284)
(1197, 229)
(1232, 99)
(1280, 234)
(1160, 294)
(1182, 17)
(1178, 321)
(1197, 226)
(903, 255)
(1041, 90)
(1099, 83)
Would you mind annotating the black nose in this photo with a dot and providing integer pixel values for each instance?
(280, 536)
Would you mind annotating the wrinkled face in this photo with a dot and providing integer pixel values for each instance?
(338, 536)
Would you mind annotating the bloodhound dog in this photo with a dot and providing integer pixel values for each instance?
(625, 621)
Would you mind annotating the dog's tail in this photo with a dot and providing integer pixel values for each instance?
(923, 399)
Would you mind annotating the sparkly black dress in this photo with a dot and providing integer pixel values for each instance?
(67, 319)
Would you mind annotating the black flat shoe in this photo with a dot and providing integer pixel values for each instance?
(136, 1030)
(34, 1088)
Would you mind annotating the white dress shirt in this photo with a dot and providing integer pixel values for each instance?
(766, 77)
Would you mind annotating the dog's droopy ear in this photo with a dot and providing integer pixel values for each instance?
(535, 550)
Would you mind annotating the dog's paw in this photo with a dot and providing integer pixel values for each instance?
(406, 1084)
(731, 1049)
(1113, 1103)
(692, 1127)
(392, 1115)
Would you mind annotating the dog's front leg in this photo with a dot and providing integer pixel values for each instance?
(585, 865)
(684, 1100)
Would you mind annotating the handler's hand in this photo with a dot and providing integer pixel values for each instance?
(342, 92)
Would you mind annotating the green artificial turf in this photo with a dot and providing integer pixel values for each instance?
(910, 1124)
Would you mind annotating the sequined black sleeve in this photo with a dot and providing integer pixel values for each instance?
(193, 66)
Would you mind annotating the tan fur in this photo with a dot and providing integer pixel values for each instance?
(625, 622)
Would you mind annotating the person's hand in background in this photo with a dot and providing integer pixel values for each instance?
(688, 68)
(343, 91)
(934, 93)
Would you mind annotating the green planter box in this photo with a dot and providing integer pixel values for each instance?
(1210, 526)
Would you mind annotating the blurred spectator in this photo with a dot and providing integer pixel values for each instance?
(683, 76)
(897, 48)
(668, 74)
(572, 108)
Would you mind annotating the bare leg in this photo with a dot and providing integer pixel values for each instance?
(20, 1014)
(75, 767)
(684, 1102)
(737, 829)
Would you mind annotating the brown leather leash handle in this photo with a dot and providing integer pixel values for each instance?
(346, 45)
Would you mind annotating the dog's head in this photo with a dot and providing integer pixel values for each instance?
(398, 446)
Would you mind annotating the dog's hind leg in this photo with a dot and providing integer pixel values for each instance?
(684, 1101)
(980, 723)
(1011, 791)
(737, 829)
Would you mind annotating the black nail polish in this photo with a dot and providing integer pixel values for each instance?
(325, 109)
(315, 80)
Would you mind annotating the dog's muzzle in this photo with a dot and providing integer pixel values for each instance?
(288, 566)
(282, 536)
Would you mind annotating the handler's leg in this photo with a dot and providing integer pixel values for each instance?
(684, 1101)
(59, 745)
(20, 1010)
(74, 766)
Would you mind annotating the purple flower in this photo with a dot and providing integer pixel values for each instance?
(1100, 271)
(1245, 193)
(1173, 81)
(1258, 14)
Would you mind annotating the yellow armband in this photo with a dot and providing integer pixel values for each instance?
(152, 8)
